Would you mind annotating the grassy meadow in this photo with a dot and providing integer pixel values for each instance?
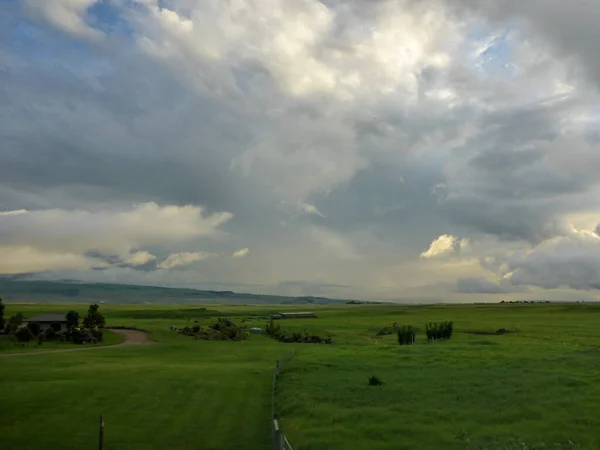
(537, 384)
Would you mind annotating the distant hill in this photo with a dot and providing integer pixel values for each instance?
(15, 289)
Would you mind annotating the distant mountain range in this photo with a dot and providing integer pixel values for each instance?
(18, 289)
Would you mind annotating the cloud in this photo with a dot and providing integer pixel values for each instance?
(444, 245)
(333, 244)
(139, 258)
(241, 253)
(481, 285)
(18, 259)
(108, 232)
(181, 259)
(572, 261)
(343, 136)
(310, 209)
(69, 16)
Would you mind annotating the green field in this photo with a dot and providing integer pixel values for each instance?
(540, 383)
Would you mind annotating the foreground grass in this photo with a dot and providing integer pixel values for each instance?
(538, 384)
(176, 393)
(7, 345)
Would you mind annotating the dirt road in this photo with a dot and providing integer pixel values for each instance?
(132, 337)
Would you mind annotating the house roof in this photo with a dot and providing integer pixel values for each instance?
(48, 318)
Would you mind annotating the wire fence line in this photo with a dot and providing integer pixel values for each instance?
(280, 442)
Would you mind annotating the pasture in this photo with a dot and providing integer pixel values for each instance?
(538, 384)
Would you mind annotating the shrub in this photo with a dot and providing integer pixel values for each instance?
(406, 335)
(1, 314)
(56, 326)
(14, 322)
(40, 339)
(97, 334)
(221, 330)
(388, 330)
(72, 320)
(273, 328)
(83, 336)
(24, 334)
(34, 328)
(439, 330)
(374, 380)
(302, 337)
(50, 334)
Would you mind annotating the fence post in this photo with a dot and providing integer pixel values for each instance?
(101, 437)
(277, 437)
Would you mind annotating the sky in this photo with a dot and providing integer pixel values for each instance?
(395, 150)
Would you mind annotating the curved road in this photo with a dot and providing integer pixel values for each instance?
(132, 337)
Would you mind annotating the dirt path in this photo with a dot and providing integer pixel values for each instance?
(132, 337)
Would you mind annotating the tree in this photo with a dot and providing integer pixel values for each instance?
(93, 319)
(1, 314)
(34, 327)
(72, 320)
(24, 334)
(14, 322)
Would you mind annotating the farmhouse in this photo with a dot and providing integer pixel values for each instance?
(295, 315)
(45, 320)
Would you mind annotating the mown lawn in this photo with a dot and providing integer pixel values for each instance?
(537, 384)
(175, 393)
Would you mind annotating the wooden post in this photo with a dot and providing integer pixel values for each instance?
(277, 437)
(101, 437)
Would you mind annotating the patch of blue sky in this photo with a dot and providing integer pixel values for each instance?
(492, 53)
(106, 16)
(51, 51)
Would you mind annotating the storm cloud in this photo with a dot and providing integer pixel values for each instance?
(388, 149)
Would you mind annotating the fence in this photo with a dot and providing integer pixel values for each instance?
(280, 442)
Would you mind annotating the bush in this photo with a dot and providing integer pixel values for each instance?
(406, 335)
(97, 335)
(56, 326)
(374, 380)
(50, 334)
(438, 330)
(302, 337)
(388, 330)
(34, 328)
(24, 334)
(273, 328)
(222, 330)
(83, 336)
(41, 338)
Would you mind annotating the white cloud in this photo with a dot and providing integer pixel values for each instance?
(139, 258)
(572, 261)
(444, 245)
(15, 259)
(181, 259)
(241, 253)
(13, 213)
(66, 15)
(109, 232)
(310, 209)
